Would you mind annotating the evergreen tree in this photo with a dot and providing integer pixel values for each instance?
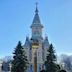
(20, 62)
(50, 62)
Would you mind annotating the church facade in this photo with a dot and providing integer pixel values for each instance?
(36, 46)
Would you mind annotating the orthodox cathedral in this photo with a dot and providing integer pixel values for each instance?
(36, 46)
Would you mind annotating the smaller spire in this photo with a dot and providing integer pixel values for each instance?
(46, 42)
(36, 7)
(27, 42)
(27, 38)
(46, 38)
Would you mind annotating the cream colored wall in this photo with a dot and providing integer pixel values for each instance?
(39, 54)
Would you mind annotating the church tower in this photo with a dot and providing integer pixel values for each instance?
(36, 46)
(36, 26)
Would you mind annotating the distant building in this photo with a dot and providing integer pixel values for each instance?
(5, 65)
(36, 46)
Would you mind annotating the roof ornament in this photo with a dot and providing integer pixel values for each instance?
(46, 37)
(36, 7)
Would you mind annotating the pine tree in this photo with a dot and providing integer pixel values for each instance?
(20, 62)
(50, 62)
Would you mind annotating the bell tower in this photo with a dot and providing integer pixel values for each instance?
(36, 25)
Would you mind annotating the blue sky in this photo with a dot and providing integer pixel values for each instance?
(16, 17)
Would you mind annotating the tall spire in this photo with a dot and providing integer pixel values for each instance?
(36, 20)
(36, 25)
(36, 7)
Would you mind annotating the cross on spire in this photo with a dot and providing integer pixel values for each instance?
(36, 7)
(36, 4)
